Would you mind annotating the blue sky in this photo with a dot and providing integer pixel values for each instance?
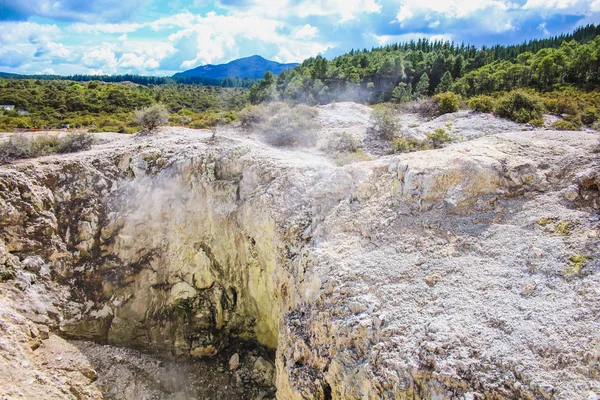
(155, 37)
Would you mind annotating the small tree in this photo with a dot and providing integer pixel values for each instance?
(383, 122)
(422, 88)
(152, 117)
(402, 92)
(445, 83)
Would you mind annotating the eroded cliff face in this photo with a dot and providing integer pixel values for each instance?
(467, 272)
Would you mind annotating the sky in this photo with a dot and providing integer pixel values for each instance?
(153, 37)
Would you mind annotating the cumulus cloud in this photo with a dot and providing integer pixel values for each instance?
(204, 41)
(56, 51)
(95, 29)
(571, 7)
(100, 57)
(451, 9)
(306, 32)
(110, 36)
(12, 59)
(27, 33)
(344, 10)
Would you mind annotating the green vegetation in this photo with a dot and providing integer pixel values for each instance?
(520, 107)
(281, 124)
(434, 140)
(152, 117)
(383, 123)
(22, 146)
(403, 145)
(438, 138)
(142, 79)
(483, 103)
(105, 107)
(426, 67)
(446, 102)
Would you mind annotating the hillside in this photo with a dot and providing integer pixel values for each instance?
(417, 69)
(253, 67)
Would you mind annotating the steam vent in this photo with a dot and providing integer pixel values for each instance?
(184, 266)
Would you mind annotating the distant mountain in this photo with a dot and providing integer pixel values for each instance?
(250, 67)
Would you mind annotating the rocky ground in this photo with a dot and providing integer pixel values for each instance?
(466, 272)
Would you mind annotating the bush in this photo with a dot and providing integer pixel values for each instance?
(438, 138)
(14, 148)
(343, 143)
(519, 106)
(22, 146)
(589, 116)
(403, 145)
(253, 116)
(291, 126)
(383, 123)
(446, 102)
(75, 141)
(352, 157)
(152, 117)
(561, 105)
(484, 104)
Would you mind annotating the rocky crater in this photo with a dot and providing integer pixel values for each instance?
(467, 272)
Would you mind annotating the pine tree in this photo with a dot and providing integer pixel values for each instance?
(445, 83)
(402, 92)
(422, 88)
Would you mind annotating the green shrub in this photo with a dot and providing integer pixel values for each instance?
(539, 122)
(484, 104)
(438, 138)
(75, 141)
(352, 157)
(561, 105)
(589, 116)
(403, 145)
(564, 125)
(290, 126)
(152, 117)
(343, 142)
(14, 148)
(446, 102)
(519, 106)
(22, 146)
(383, 123)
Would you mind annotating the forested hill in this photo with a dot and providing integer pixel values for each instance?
(253, 67)
(419, 68)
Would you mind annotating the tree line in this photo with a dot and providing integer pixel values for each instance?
(142, 79)
(420, 68)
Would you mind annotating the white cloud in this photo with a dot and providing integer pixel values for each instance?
(306, 32)
(557, 5)
(101, 57)
(204, 41)
(490, 14)
(27, 32)
(404, 13)
(344, 10)
(94, 29)
(132, 61)
(48, 71)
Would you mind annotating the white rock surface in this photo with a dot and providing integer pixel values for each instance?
(465, 272)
